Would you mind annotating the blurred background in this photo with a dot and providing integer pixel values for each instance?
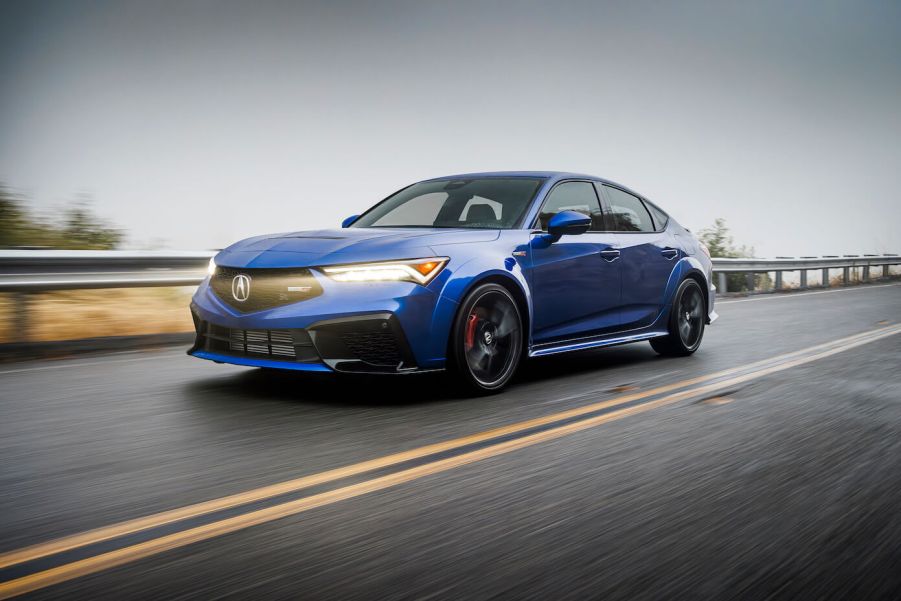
(138, 137)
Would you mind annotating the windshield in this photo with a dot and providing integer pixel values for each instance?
(488, 203)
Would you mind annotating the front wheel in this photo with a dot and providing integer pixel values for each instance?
(686, 322)
(486, 341)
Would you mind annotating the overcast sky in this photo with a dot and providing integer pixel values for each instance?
(193, 124)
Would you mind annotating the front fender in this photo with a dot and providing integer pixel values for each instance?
(464, 278)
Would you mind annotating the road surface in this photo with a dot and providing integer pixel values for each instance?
(768, 465)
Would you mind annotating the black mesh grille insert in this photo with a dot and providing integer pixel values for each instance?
(378, 348)
(287, 345)
(263, 288)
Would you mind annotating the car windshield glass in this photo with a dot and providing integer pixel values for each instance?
(489, 203)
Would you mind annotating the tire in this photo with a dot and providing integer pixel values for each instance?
(686, 322)
(486, 342)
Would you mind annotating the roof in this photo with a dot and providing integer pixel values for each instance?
(550, 175)
(541, 174)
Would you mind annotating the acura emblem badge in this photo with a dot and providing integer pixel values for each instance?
(241, 287)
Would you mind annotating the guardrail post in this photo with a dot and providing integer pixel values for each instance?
(885, 271)
(846, 275)
(749, 281)
(803, 278)
(20, 314)
(778, 284)
(866, 273)
(721, 279)
(826, 277)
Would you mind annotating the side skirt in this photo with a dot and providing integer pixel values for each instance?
(565, 346)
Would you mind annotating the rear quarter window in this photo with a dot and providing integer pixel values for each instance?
(660, 218)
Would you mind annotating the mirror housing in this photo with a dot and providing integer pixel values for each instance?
(349, 220)
(568, 223)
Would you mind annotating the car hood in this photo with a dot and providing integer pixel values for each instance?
(351, 245)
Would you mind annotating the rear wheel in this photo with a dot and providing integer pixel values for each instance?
(686, 322)
(486, 341)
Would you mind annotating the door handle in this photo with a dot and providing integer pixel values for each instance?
(670, 253)
(610, 255)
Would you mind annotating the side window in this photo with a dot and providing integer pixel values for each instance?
(660, 218)
(572, 196)
(629, 214)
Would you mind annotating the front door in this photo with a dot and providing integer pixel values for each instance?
(576, 280)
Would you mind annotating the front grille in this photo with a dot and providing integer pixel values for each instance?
(287, 345)
(262, 342)
(377, 348)
(265, 288)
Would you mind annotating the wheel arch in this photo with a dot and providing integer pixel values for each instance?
(516, 290)
(694, 272)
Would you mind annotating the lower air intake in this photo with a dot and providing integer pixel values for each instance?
(377, 348)
(285, 345)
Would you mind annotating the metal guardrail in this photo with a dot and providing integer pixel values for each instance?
(779, 265)
(24, 272)
(46, 270)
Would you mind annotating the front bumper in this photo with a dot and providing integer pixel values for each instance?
(386, 327)
(373, 343)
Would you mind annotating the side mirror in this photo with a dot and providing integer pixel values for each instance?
(568, 223)
(347, 222)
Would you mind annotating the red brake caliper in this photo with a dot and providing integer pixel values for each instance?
(470, 339)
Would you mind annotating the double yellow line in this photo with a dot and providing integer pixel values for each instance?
(694, 387)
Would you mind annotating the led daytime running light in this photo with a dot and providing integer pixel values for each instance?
(421, 271)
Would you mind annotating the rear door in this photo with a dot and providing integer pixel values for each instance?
(575, 280)
(648, 252)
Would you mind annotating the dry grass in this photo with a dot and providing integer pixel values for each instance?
(76, 314)
(6, 309)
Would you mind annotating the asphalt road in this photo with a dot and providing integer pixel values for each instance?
(736, 473)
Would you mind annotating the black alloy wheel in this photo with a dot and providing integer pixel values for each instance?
(686, 323)
(487, 339)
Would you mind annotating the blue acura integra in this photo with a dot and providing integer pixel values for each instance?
(470, 273)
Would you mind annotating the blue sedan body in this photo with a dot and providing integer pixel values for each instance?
(568, 297)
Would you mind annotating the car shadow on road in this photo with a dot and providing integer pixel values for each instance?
(412, 389)
(601, 362)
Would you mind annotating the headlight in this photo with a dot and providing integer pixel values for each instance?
(418, 271)
(211, 268)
